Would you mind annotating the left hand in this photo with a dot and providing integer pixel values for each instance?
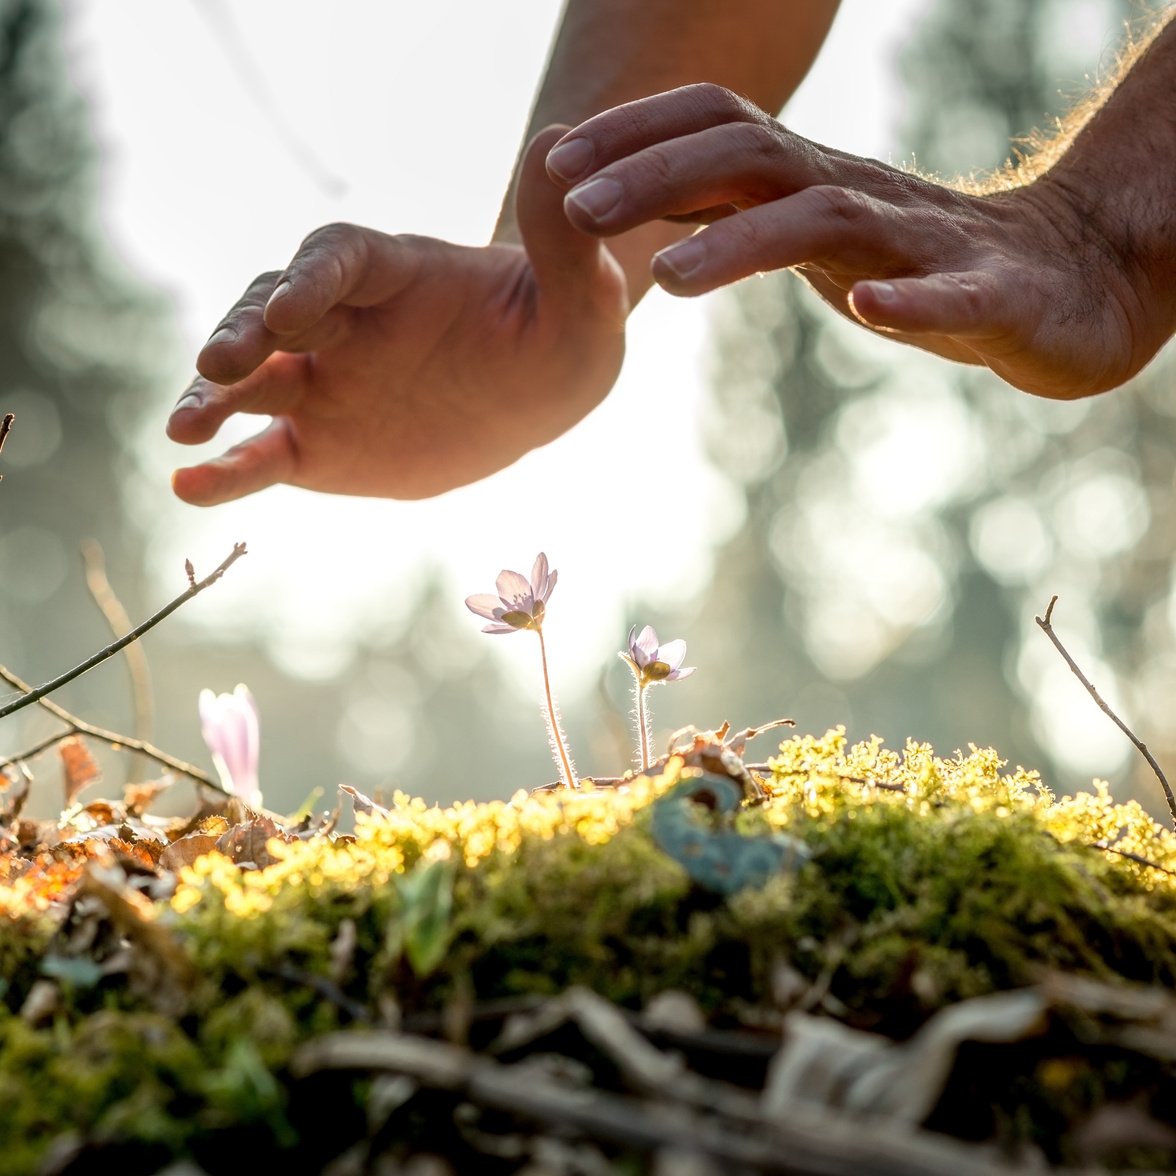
(1020, 281)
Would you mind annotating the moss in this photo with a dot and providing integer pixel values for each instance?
(931, 880)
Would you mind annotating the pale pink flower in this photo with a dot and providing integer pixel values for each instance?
(520, 603)
(651, 662)
(229, 724)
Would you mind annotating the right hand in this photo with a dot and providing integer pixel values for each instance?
(401, 367)
(1028, 282)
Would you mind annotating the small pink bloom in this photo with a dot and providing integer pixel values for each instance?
(651, 662)
(520, 603)
(229, 723)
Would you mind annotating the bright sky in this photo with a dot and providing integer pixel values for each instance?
(405, 118)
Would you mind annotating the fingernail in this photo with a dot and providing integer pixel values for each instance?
(682, 259)
(883, 291)
(280, 291)
(190, 399)
(221, 335)
(570, 159)
(596, 198)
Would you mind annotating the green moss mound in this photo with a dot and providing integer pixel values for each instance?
(154, 1028)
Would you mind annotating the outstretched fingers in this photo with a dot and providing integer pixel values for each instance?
(837, 229)
(263, 460)
(341, 265)
(695, 177)
(276, 387)
(627, 129)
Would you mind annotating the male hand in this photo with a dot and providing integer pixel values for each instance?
(1028, 281)
(404, 366)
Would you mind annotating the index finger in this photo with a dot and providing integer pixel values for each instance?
(341, 264)
(623, 130)
(241, 341)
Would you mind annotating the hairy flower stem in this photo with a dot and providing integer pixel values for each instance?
(643, 731)
(559, 743)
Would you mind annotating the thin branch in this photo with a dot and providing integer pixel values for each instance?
(81, 727)
(1044, 623)
(101, 656)
(5, 429)
(117, 617)
(1138, 858)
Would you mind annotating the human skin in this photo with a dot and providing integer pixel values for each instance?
(1062, 279)
(401, 366)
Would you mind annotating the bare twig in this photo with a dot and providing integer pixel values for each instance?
(1137, 858)
(101, 656)
(1044, 623)
(5, 429)
(78, 726)
(119, 621)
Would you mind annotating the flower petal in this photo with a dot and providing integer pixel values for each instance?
(231, 729)
(501, 629)
(678, 675)
(539, 576)
(548, 586)
(484, 604)
(542, 579)
(514, 590)
(673, 653)
(644, 648)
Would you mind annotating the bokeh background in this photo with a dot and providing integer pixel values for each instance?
(845, 531)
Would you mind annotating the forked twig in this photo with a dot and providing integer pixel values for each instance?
(1044, 623)
(78, 726)
(193, 589)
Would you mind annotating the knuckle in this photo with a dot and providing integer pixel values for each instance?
(718, 99)
(758, 140)
(843, 205)
(658, 167)
(332, 252)
(329, 237)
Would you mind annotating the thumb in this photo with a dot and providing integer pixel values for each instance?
(568, 265)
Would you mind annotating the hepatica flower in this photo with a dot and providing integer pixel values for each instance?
(229, 723)
(651, 664)
(521, 604)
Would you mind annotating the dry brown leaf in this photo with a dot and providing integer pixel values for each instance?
(79, 770)
(215, 825)
(141, 854)
(138, 798)
(185, 850)
(96, 814)
(364, 804)
(246, 843)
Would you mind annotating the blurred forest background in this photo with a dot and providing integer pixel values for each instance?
(896, 605)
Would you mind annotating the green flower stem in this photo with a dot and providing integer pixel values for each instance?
(555, 733)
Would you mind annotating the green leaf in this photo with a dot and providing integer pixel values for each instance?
(427, 897)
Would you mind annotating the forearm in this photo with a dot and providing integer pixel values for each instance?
(608, 52)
